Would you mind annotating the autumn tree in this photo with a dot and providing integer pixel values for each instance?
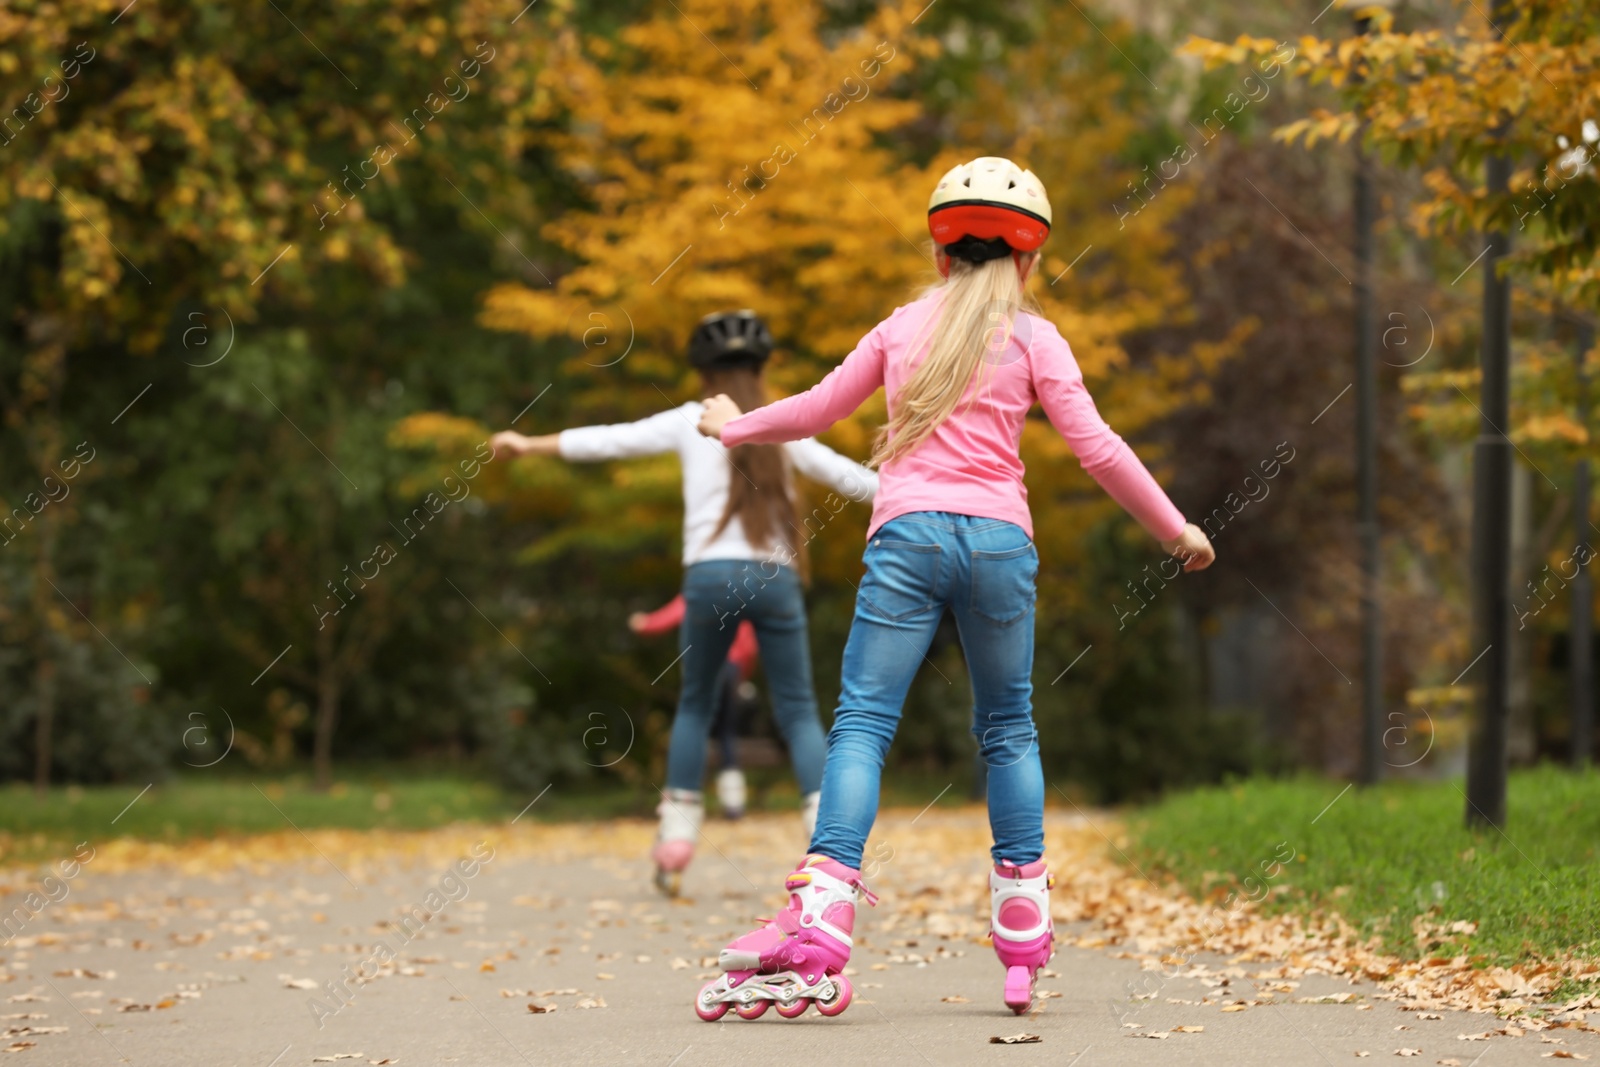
(225, 169)
(808, 203)
(1499, 112)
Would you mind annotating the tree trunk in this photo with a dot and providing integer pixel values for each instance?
(45, 611)
(328, 689)
(327, 715)
(44, 688)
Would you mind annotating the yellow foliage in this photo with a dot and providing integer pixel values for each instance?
(1461, 94)
(736, 156)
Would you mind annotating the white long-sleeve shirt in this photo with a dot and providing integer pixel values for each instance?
(706, 473)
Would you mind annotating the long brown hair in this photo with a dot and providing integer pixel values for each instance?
(760, 489)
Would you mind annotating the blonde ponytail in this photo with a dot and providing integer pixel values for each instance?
(978, 304)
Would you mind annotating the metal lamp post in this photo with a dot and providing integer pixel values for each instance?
(1491, 516)
(1372, 716)
(1580, 631)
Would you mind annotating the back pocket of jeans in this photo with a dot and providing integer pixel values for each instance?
(900, 579)
(1003, 583)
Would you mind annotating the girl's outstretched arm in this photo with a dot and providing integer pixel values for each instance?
(664, 618)
(587, 444)
(819, 462)
(805, 414)
(510, 444)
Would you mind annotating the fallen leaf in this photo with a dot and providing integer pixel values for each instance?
(1155, 1035)
(541, 1009)
(1429, 1015)
(1235, 1007)
(1017, 1039)
(1450, 1062)
(955, 998)
(591, 1002)
(604, 977)
(302, 983)
(1188, 1029)
(339, 1056)
(382, 1062)
(680, 964)
(1562, 1054)
(167, 1003)
(1408, 1052)
(20, 1046)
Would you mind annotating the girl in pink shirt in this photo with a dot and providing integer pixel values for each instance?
(961, 366)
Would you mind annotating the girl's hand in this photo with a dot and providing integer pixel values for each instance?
(719, 411)
(508, 444)
(1192, 547)
(637, 620)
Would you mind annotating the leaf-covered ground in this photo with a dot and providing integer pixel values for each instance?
(554, 949)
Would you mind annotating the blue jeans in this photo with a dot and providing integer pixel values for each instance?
(718, 595)
(984, 571)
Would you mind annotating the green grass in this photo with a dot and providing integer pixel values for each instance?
(207, 805)
(204, 805)
(1383, 856)
(201, 806)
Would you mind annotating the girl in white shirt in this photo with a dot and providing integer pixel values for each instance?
(744, 551)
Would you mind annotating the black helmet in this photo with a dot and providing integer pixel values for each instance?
(730, 339)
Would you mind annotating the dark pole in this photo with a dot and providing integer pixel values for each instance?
(1581, 630)
(1367, 476)
(1491, 523)
(1372, 729)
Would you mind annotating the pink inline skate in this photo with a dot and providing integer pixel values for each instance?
(681, 811)
(1024, 939)
(796, 958)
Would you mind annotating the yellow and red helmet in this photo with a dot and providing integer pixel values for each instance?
(987, 199)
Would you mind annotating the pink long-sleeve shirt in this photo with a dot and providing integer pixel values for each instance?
(971, 464)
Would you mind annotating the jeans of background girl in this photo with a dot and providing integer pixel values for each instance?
(984, 571)
(725, 714)
(719, 594)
